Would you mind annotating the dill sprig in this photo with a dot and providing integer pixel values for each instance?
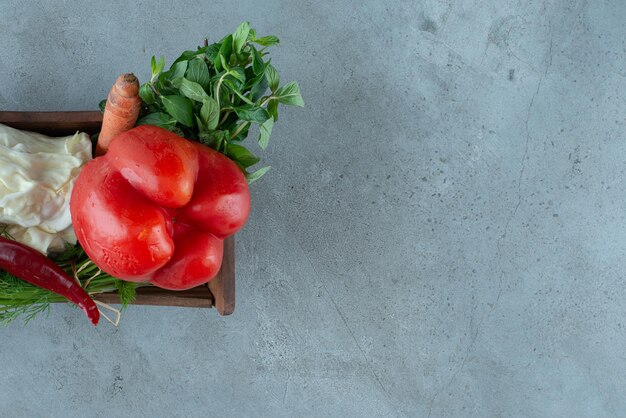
(22, 299)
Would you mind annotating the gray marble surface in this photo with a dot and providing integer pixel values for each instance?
(443, 232)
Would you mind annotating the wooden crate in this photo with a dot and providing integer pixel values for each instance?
(219, 293)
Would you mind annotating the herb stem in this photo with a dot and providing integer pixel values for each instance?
(217, 88)
(226, 113)
(243, 125)
(239, 129)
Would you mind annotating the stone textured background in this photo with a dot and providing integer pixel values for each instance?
(443, 232)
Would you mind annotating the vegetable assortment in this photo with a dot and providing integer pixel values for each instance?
(169, 181)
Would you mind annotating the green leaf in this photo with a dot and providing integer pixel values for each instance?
(160, 119)
(213, 139)
(102, 105)
(177, 70)
(198, 72)
(164, 85)
(161, 65)
(241, 36)
(252, 113)
(177, 82)
(232, 83)
(224, 62)
(231, 86)
(252, 177)
(126, 291)
(289, 94)
(226, 48)
(153, 65)
(192, 90)
(239, 74)
(252, 35)
(189, 55)
(258, 66)
(212, 51)
(210, 113)
(147, 94)
(241, 155)
(242, 132)
(180, 108)
(273, 80)
(272, 109)
(259, 88)
(224, 95)
(265, 130)
(201, 127)
(267, 40)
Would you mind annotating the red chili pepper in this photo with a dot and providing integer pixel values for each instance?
(33, 267)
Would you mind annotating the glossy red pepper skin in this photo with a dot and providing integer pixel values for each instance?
(156, 208)
(33, 267)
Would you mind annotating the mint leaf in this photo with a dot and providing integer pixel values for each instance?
(252, 113)
(240, 36)
(224, 62)
(102, 105)
(213, 139)
(180, 108)
(157, 68)
(189, 55)
(289, 94)
(259, 88)
(198, 72)
(226, 48)
(252, 177)
(273, 80)
(212, 51)
(272, 109)
(153, 66)
(201, 127)
(210, 113)
(177, 70)
(160, 119)
(232, 83)
(241, 155)
(265, 130)
(258, 66)
(239, 74)
(267, 40)
(240, 133)
(192, 90)
(147, 94)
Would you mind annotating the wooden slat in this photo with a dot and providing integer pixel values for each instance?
(54, 123)
(198, 297)
(221, 290)
(223, 285)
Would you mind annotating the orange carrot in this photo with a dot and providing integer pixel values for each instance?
(121, 110)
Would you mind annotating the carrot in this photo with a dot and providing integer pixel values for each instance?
(121, 110)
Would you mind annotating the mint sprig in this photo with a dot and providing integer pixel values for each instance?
(215, 93)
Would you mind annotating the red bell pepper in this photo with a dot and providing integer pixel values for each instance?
(156, 208)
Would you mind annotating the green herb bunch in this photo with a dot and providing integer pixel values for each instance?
(214, 94)
(22, 299)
